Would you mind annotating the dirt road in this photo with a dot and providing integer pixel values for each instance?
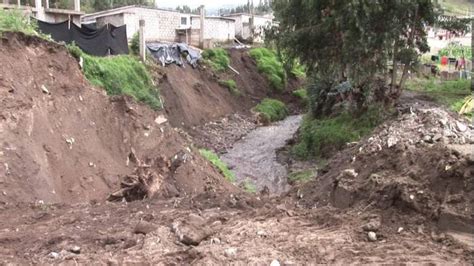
(253, 158)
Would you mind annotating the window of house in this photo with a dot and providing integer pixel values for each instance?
(184, 21)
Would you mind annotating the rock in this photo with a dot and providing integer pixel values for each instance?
(196, 219)
(144, 227)
(461, 127)
(372, 236)
(427, 139)
(400, 229)
(230, 252)
(44, 89)
(350, 172)
(391, 141)
(373, 225)
(261, 233)
(75, 249)
(275, 263)
(215, 240)
(53, 255)
(189, 234)
(437, 137)
(160, 119)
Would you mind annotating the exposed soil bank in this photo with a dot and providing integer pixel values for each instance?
(254, 157)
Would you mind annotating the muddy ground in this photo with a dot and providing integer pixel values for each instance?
(75, 141)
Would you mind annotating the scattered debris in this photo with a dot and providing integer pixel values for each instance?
(230, 252)
(144, 227)
(372, 236)
(44, 89)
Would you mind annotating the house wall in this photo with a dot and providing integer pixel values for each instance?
(217, 29)
(160, 25)
(242, 26)
(116, 20)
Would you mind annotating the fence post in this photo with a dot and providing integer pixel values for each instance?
(141, 35)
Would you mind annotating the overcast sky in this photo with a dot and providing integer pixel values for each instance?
(196, 3)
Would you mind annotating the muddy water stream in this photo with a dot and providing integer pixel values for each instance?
(254, 157)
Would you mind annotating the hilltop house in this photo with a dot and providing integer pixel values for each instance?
(46, 13)
(242, 25)
(166, 25)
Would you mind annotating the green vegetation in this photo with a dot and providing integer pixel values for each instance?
(118, 75)
(135, 44)
(231, 85)
(298, 70)
(249, 186)
(450, 93)
(456, 7)
(301, 176)
(268, 63)
(14, 20)
(272, 110)
(216, 161)
(321, 137)
(302, 94)
(217, 58)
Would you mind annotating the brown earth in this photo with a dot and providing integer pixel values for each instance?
(75, 141)
(193, 97)
(62, 140)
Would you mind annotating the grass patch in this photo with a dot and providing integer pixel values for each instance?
(16, 21)
(451, 93)
(322, 137)
(249, 186)
(272, 110)
(299, 70)
(301, 176)
(122, 74)
(218, 163)
(217, 58)
(269, 64)
(231, 85)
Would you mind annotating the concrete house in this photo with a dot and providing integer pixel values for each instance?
(242, 25)
(165, 25)
(45, 12)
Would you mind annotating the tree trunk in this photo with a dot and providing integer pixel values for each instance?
(394, 68)
(410, 43)
(404, 76)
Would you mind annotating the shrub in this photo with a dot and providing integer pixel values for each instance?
(302, 176)
(231, 85)
(321, 137)
(218, 163)
(268, 64)
(217, 58)
(135, 44)
(302, 94)
(272, 110)
(14, 20)
(122, 74)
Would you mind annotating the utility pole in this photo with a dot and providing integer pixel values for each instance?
(201, 31)
(141, 36)
(252, 22)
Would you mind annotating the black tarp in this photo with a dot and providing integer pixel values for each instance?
(101, 42)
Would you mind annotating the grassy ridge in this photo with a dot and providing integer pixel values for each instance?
(268, 64)
(118, 75)
(217, 58)
(218, 163)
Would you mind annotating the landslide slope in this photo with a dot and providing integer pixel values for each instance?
(63, 140)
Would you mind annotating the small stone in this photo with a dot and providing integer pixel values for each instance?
(275, 263)
(196, 219)
(44, 89)
(160, 119)
(461, 127)
(53, 255)
(437, 137)
(75, 249)
(230, 252)
(215, 241)
(350, 172)
(261, 233)
(391, 141)
(400, 229)
(412, 197)
(427, 139)
(372, 236)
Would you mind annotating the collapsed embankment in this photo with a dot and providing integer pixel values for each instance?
(63, 140)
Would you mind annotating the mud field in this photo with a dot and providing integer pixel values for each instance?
(403, 195)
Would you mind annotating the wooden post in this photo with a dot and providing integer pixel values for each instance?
(141, 35)
(201, 31)
(39, 10)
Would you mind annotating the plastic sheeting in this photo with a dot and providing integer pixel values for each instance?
(101, 42)
(173, 53)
